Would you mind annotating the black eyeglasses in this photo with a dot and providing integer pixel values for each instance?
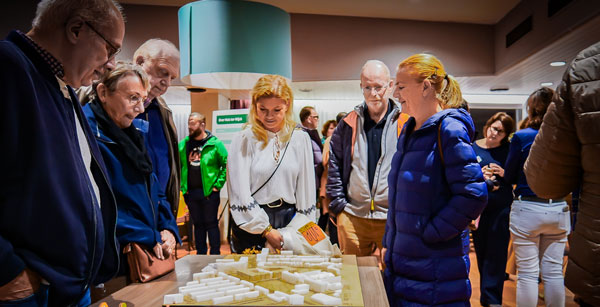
(496, 130)
(111, 50)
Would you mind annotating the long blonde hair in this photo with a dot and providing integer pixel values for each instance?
(271, 86)
(427, 67)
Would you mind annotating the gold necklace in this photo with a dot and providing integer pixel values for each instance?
(276, 148)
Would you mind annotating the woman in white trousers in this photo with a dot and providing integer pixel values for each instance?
(539, 227)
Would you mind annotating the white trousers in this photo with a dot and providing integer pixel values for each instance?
(539, 232)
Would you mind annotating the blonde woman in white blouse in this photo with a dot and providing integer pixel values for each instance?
(270, 172)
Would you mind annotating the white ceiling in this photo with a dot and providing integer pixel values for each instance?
(464, 11)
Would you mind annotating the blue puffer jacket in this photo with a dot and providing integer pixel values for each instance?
(142, 212)
(430, 205)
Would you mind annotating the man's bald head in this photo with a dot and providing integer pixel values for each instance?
(375, 83)
(375, 67)
(154, 48)
(160, 60)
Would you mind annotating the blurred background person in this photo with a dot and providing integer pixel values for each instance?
(327, 130)
(309, 121)
(144, 215)
(270, 172)
(436, 190)
(203, 174)
(492, 236)
(324, 201)
(538, 226)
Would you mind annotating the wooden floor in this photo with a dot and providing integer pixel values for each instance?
(510, 289)
(510, 286)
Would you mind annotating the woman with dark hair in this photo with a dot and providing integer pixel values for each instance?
(539, 227)
(492, 236)
(328, 128)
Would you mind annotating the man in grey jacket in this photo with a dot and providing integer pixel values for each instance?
(362, 147)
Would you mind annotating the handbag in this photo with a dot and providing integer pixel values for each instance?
(144, 266)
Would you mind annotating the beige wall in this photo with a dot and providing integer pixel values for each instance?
(336, 47)
(145, 22)
(205, 103)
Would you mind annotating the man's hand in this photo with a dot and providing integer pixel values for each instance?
(158, 251)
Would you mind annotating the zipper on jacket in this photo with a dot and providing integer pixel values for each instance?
(148, 185)
(114, 230)
(216, 178)
(380, 162)
(95, 202)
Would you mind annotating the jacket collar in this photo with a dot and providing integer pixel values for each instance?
(360, 109)
(34, 56)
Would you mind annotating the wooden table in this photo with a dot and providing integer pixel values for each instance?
(151, 294)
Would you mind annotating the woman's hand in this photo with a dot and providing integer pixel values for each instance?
(497, 169)
(274, 239)
(487, 172)
(158, 251)
(169, 242)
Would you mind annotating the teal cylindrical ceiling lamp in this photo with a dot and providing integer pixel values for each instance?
(229, 44)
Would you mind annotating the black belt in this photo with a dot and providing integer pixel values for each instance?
(276, 204)
(538, 200)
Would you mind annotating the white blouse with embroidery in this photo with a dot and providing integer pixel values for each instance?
(249, 166)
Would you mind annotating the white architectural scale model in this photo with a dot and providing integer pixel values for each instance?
(293, 279)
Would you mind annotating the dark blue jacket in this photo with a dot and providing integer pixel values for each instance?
(520, 144)
(430, 205)
(50, 220)
(143, 210)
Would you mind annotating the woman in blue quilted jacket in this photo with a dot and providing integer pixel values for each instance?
(436, 189)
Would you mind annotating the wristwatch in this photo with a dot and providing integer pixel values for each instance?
(267, 230)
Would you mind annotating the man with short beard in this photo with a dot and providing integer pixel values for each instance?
(203, 174)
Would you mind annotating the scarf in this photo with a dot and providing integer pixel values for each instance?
(129, 139)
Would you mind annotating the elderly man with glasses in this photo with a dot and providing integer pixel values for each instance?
(360, 158)
(160, 60)
(57, 212)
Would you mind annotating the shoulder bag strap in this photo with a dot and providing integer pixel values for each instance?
(277, 167)
(268, 179)
(439, 143)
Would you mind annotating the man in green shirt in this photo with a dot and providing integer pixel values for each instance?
(203, 174)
